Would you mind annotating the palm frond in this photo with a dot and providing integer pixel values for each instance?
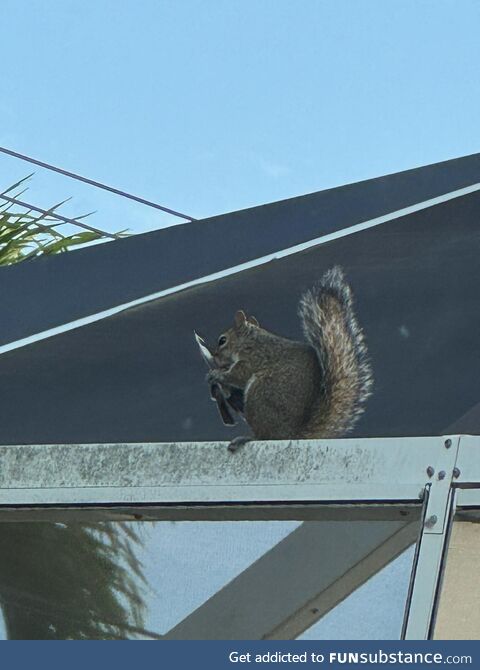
(25, 235)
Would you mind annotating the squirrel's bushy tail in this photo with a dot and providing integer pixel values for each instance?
(331, 327)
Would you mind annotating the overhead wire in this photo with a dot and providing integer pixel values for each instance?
(93, 182)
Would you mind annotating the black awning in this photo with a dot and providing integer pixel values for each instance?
(50, 291)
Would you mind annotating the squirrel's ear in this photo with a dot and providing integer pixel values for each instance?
(240, 318)
(253, 321)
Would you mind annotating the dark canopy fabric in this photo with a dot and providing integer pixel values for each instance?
(138, 376)
(50, 291)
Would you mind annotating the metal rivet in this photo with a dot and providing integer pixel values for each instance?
(431, 521)
(456, 472)
(448, 443)
(430, 471)
(441, 474)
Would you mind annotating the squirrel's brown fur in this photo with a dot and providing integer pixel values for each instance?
(294, 389)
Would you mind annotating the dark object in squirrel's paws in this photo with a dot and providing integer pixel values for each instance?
(226, 399)
(217, 395)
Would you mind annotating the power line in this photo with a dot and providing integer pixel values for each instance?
(92, 182)
(65, 219)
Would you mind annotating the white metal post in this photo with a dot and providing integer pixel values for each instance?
(439, 508)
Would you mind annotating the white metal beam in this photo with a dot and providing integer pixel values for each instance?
(356, 470)
(468, 462)
(298, 581)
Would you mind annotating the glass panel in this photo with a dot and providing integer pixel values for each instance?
(458, 616)
(374, 611)
(220, 580)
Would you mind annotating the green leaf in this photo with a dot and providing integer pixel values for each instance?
(27, 235)
(11, 188)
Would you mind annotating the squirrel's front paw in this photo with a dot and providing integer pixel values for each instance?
(214, 376)
(238, 442)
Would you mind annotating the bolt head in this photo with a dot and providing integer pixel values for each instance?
(431, 521)
(430, 471)
(448, 443)
(456, 473)
(441, 474)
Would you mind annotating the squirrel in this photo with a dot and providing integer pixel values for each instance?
(296, 390)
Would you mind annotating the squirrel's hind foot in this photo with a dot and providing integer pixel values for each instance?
(238, 442)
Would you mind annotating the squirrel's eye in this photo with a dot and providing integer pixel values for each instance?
(222, 340)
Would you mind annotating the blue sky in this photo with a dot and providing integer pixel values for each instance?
(211, 106)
